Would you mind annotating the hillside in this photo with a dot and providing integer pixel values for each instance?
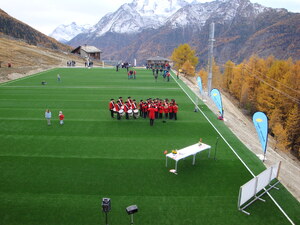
(19, 30)
(28, 59)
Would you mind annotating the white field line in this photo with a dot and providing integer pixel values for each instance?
(23, 78)
(87, 87)
(279, 207)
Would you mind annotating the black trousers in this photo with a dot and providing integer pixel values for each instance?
(151, 122)
(166, 115)
(127, 116)
(160, 115)
(112, 113)
(175, 116)
(118, 116)
(145, 115)
(170, 115)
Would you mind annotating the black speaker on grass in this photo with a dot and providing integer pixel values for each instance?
(106, 205)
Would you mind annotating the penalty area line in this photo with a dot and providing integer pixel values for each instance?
(276, 203)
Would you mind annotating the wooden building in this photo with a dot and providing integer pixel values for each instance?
(157, 61)
(88, 52)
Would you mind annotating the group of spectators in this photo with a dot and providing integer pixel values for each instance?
(152, 108)
(71, 63)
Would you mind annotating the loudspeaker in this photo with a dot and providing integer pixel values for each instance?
(131, 209)
(106, 205)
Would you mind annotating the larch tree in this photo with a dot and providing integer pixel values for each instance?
(293, 130)
(188, 68)
(184, 53)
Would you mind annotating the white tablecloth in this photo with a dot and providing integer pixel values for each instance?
(188, 151)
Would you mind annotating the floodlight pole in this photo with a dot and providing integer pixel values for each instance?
(210, 56)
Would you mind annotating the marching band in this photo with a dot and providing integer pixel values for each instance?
(153, 108)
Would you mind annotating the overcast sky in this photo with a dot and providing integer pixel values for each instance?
(46, 15)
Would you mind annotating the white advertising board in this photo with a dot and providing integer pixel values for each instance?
(247, 191)
(263, 179)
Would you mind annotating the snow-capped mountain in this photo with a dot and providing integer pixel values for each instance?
(220, 10)
(65, 33)
(138, 15)
(146, 28)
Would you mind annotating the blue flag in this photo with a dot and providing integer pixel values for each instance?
(260, 121)
(199, 81)
(216, 97)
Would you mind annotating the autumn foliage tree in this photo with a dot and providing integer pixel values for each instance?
(182, 54)
(271, 86)
(188, 68)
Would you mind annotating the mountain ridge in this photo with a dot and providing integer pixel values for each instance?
(20, 30)
(241, 29)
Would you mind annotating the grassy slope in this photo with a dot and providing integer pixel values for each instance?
(58, 175)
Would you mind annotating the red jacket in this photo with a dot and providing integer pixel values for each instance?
(160, 109)
(117, 107)
(111, 105)
(166, 108)
(170, 108)
(126, 108)
(175, 109)
(61, 117)
(152, 113)
(145, 107)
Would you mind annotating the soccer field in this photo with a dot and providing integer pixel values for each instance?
(58, 175)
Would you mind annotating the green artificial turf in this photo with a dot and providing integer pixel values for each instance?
(59, 174)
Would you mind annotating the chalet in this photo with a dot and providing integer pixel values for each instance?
(157, 61)
(87, 51)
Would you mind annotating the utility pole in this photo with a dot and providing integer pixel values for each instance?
(210, 56)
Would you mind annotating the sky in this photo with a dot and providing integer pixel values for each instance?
(46, 15)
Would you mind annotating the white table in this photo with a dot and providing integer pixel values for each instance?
(188, 151)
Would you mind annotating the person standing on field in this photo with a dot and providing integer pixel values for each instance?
(48, 116)
(61, 118)
(152, 111)
(111, 107)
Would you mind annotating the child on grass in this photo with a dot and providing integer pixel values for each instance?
(61, 118)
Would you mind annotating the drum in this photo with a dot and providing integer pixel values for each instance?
(136, 113)
(121, 112)
(130, 113)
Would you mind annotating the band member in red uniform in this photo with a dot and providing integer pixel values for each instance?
(121, 100)
(152, 111)
(166, 109)
(171, 111)
(175, 110)
(126, 108)
(117, 108)
(134, 107)
(141, 103)
(145, 109)
(160, 111)
(129, 101)
(111, 107)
